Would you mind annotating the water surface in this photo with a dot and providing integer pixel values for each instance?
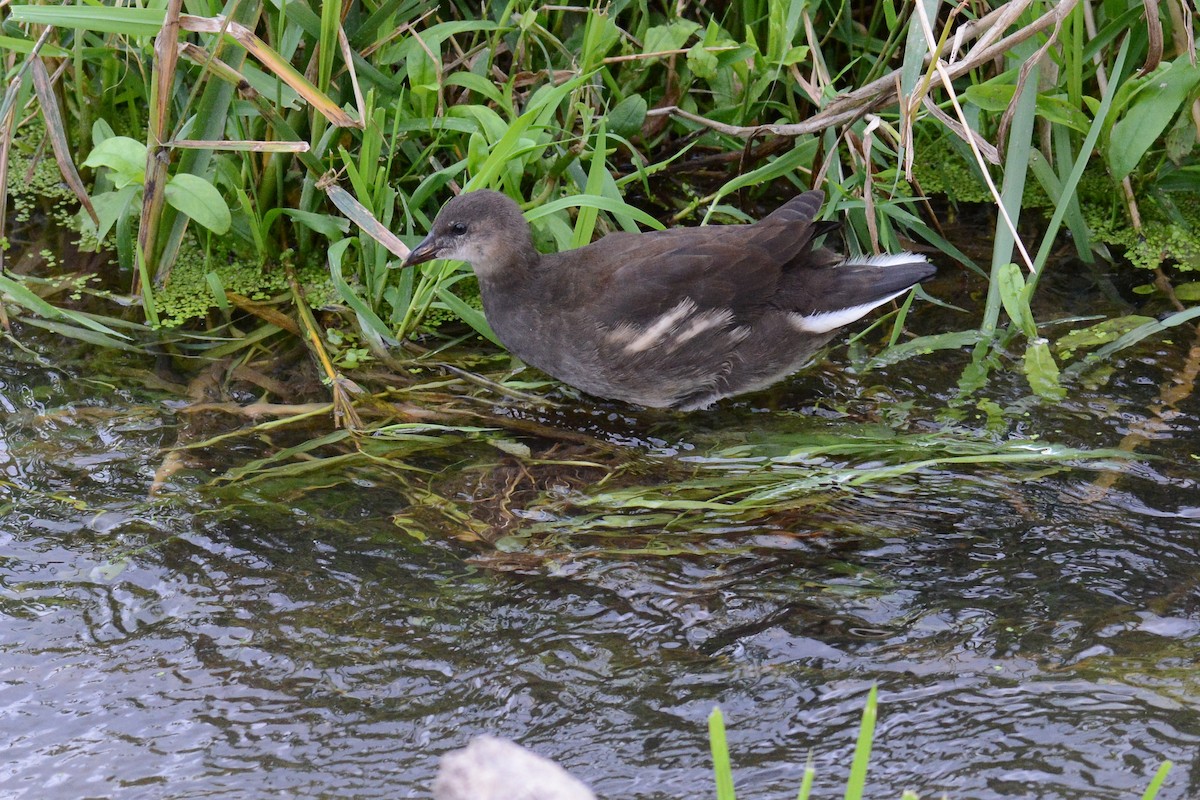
(1033, 628)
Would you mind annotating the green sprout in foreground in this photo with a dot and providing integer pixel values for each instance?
(856, 783)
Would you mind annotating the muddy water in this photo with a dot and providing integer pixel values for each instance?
(1033, 628)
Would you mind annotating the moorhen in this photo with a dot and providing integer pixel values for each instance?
(677, 318)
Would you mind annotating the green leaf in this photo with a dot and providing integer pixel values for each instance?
(217, 287)
(1101, 333)
(585, 222)
(1151, 111)
(537, 112)
(422, 74)
(1188, 292)
(915, 45)
(125, 157)
(783, 22)
(672, 36)
(26, 298)
(197, 198)
(327, 225)
(25, 47)
(600, 34)
(923, 345)
(109, 207)
(1059, 111)
(122, 20)
(1084, 156)
(468, 314)
(800, 155)
(991, 96)
(627, 117)
(701, 62)
(1015, 299)
(1181, 139)
(1156, 783)
(82, 334)
(1041, 371)
(367, 318)
(1136, 335)
(478, 84)
(795, 55)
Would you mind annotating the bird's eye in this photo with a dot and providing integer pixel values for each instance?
(458, 228)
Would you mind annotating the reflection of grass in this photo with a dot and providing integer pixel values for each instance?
(856, 783)
(527, 486)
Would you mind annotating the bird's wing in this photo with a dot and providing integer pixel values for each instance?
(734, 267)
(801, 208)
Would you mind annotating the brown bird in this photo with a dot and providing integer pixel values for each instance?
(678, 318)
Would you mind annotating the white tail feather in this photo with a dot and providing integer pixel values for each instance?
(825, 321)
(885, 260)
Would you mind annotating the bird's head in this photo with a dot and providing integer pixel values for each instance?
(484, 228)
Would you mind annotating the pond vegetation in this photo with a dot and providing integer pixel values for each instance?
(220, 192)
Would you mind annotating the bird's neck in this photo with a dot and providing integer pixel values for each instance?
(510, 259)
(519, 297)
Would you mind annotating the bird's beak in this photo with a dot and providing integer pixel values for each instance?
(427, 250)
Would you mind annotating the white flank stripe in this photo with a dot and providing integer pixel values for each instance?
(656, 330)
(826, 321)
(704, 322)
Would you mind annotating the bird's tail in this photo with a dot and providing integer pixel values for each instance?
(858, 285)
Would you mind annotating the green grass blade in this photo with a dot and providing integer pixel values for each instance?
(509, 144)
(25, 47)
(806, 783)
(1050, 183)
(862, 749)
(924, 345)
(22, 296)
(1159, 778)
(1133, 337)
(602, 203)
(1016, 164)
(81, 334)
(331, 21)
(468, 314)
(1017, 160)
(1085, 152)
(802, 154)
(585, 223)
(722, 770)
(366, 316)
(217, 287)
(119, 20)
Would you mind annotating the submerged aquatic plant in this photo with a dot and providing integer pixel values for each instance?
(297, 124)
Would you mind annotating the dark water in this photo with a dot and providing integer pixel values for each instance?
(1033, 631)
